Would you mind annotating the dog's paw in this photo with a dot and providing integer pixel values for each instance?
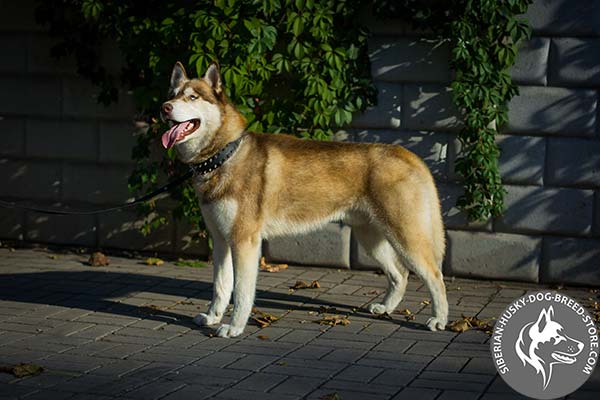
(229, 331)
(206, 319)
(376, 308)
(436, 324)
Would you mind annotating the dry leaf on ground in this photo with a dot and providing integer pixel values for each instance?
(21, 370)
(98, 259)
(331, 396)
(263, 337)
(426, 302)
(327, 310)
(153, 261)
(304, 285)
(467, 323)
(263, 319)
(333, 320)
(264, 266)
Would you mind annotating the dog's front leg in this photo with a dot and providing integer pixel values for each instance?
(222, 282)
(245, 268)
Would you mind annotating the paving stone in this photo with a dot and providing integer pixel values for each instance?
(410, 393)
(253, 362)
(531, 209)
(329, 246)
(496, 256)
(344, 355)
(570, 261)
(546, 110)
(427, 348)
(531, 65)
(260, 382)
(573, 162)
(360, 388)
(198, 391)
(237, 394)
(359, 373)
(155, 390)
(297, 385)
(447, 364)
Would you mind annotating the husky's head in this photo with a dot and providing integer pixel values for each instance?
(199, 113)
(543, 344)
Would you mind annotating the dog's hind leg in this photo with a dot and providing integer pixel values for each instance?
(223, 282)
(378, 247)
(245, 255)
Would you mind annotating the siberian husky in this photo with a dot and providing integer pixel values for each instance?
(269, 185)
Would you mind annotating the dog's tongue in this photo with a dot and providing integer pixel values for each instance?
(170, 137)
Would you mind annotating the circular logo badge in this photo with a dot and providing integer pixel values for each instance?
(545, 345)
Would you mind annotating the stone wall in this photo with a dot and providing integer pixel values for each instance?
(59, 147)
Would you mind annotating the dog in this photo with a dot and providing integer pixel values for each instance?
(543, 344)
(274, 184)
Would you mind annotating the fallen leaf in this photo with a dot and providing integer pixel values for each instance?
(406, 311)
(327, 310)
(264, 266)
(304, 285)
(466, 323)
(21, 370)
(333, 320)
(151, 308)
(331, 396)
(426, 302)
(373, 292)
(153, 261)
(53, 256)
(263, 337)
(190, 263)
(98, 259)
(263, 319)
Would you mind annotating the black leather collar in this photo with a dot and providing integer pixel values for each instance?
(216, 160)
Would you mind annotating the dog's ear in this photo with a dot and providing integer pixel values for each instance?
(213, 77)
(544, 318)
(178, 75)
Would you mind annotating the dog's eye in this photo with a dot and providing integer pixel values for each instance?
(192, 97)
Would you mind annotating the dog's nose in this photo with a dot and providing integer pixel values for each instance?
(167, 108)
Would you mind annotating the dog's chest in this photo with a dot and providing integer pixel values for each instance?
(220, 214)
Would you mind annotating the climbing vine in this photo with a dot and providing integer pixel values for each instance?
(484, 36)
(298, 66)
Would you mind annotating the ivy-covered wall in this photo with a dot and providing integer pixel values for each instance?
(59, 146)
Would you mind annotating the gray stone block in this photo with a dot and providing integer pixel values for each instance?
(11, 224)
(189, 240)
(30, 95)
(30, 179)
(575, 62)
(122, 230)
(95, 183)
(522, 159)
(329, 246)
(18, 16)
(597, 213)
(40, 61)
(61, 139)
(564, 17)
(493, 255)
(430, 146)
(378, 25)
(429, 107)
(454, 218)
(80, 100)
(13, 136)
(573, 162)
(71, 229)
(388, 111)
(116, 141)
(14, 46)
(531, 209)
(531, 65)
(395, 59)
(553, 110)
(571, 261)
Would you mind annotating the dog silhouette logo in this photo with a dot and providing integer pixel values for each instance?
(542, 344)
(545, 345)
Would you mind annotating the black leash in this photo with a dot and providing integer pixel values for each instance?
(202, 168)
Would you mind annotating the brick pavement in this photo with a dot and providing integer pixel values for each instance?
(124, 331)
